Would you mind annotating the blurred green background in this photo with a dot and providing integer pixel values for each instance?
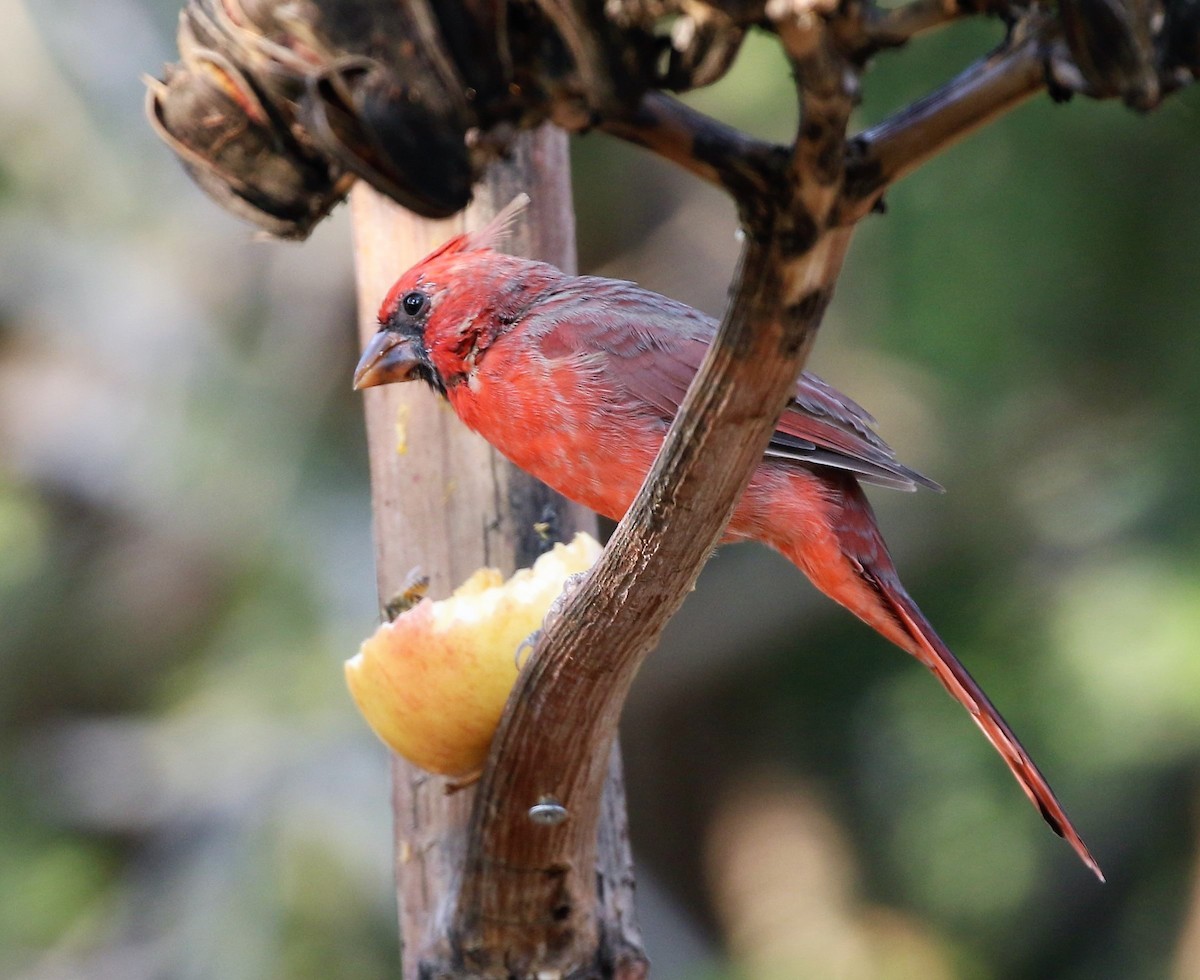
(185, 559)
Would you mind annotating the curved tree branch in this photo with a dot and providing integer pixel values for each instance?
(560, 723)
(554, 741)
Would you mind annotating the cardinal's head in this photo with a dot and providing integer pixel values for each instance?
(441, 315)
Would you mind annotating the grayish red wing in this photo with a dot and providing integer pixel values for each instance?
(653, 346)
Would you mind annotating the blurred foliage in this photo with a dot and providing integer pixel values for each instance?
(185, 559)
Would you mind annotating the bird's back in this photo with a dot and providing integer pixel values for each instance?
(587, 380)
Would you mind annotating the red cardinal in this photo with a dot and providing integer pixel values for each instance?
(576, 379)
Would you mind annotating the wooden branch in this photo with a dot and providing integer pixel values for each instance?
(881, 155)
(523, 875)
(745, 167)
(827, 90)
(451, 504)
(558, 730)
(440, 531)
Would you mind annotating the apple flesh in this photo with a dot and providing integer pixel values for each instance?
(433, 683)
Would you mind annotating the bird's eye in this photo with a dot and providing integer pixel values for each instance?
(413, 303)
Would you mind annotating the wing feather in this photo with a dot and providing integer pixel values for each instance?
(652, 348)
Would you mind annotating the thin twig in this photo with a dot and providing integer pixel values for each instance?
(881, 155)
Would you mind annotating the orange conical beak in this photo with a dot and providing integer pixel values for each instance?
(389, 357)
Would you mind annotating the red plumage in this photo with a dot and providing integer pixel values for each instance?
(576, 380)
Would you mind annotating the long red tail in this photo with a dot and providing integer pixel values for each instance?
(934, 654)
(845, 557)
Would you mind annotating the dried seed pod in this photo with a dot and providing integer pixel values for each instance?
(237, 150)
(614, 66)
(475, 34)
(278, 101)
(1112, 43)
(253, 37)
(1181, 34)
(360, 114)
(704, 42)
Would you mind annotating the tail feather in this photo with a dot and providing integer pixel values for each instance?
(928, 647)
(821, 520)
